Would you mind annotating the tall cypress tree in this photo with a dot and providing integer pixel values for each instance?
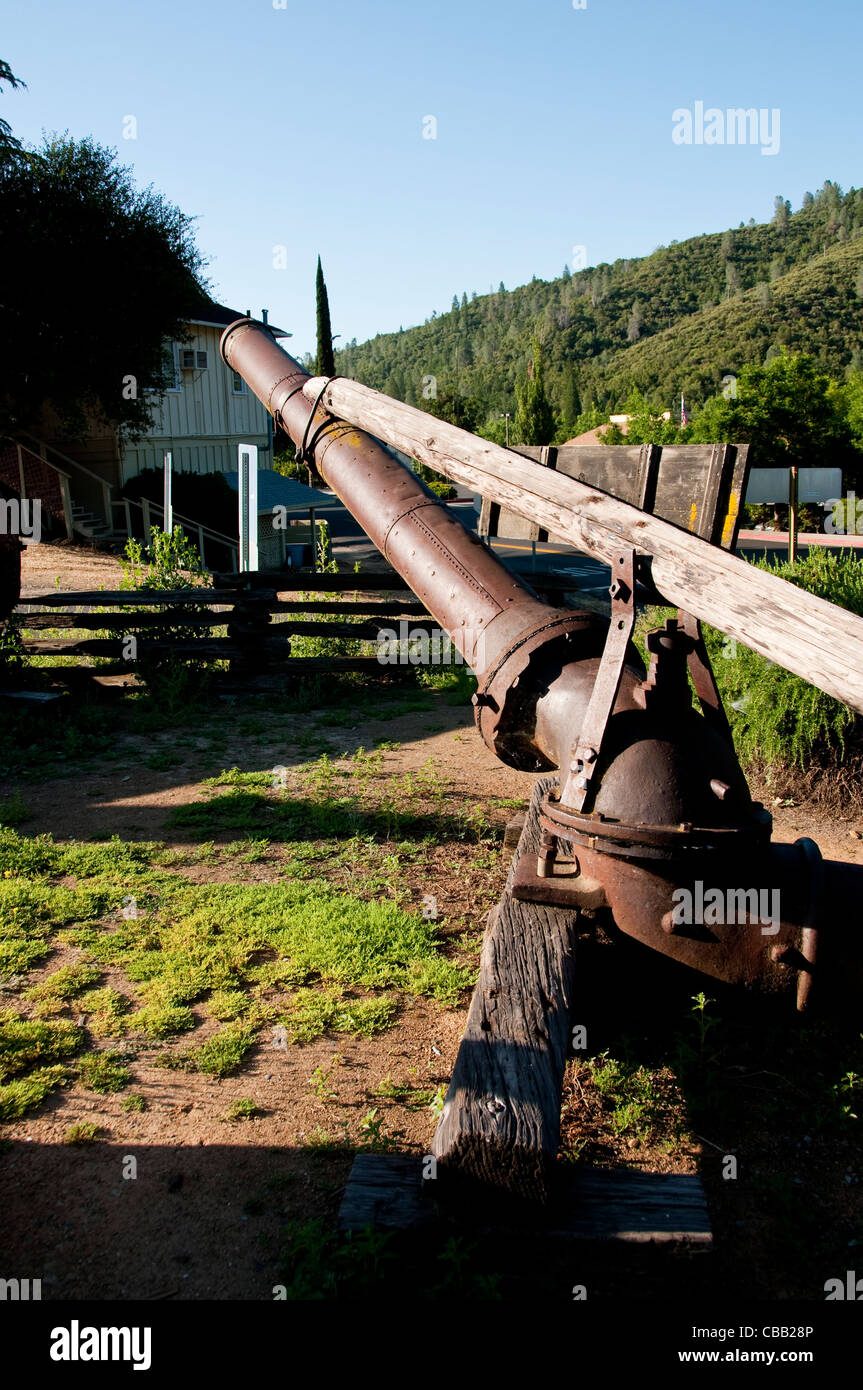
(534, 417)
(325, 363)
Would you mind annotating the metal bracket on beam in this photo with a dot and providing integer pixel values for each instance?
(702, 675)
(579, 788)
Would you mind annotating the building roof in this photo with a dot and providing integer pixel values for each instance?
(213, 315)
(589, 437)
(274, 490)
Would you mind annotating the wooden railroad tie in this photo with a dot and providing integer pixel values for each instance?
(493, 1154)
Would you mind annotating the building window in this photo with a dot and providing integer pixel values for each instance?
(239, 384)
(170, 370)
(193, 360)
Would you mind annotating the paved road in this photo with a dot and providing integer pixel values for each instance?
(588, 576)
(351, 544)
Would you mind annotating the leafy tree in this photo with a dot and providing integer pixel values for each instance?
(646, 425)
(790, 411)
(324, 362)
(465, 411)
(633, 330)
(534, 417)
(104, 274)
(10, 146)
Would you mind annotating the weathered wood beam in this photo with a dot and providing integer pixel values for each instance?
(500, 1126)
(69, 618)
(809, 636)
(137, 598)
(593, 1204)
(290, 582)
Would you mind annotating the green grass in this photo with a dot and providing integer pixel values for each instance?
(304, 956)
(313, 1012)
(235, 778)
(106, 1011)
(52, 994)
(83, 1133)
(13, 810)
(26, 1043)
(161, 1019)
(242, 1109)
(26, 1092)
(227, 1004)
(636, 1098)
(103, 1072)
(223, 1054)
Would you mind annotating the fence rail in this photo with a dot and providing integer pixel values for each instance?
(260, 612)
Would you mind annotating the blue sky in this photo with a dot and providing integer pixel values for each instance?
(302, 127)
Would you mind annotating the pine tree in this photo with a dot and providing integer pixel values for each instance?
(732, 280)
(570, 405)
(534, 417)
(325, 364)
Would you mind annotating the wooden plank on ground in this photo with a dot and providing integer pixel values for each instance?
(589, 1204)
(500, 1125)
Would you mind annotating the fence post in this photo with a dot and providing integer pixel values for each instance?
(145, 508)
(167, 496)
(792, 513)
(67, 506)
(247, 468)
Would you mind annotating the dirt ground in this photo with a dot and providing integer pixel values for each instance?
(67, 566)
(214, 1202)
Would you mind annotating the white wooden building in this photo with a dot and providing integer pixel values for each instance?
(207, 411)
(201, 418)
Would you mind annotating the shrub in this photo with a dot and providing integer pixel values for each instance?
(776, 717)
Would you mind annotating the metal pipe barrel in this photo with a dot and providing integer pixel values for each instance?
(496, 621)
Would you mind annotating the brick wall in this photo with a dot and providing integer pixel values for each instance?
(40, 481)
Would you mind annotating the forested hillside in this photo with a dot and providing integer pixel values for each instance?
(679, 319)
